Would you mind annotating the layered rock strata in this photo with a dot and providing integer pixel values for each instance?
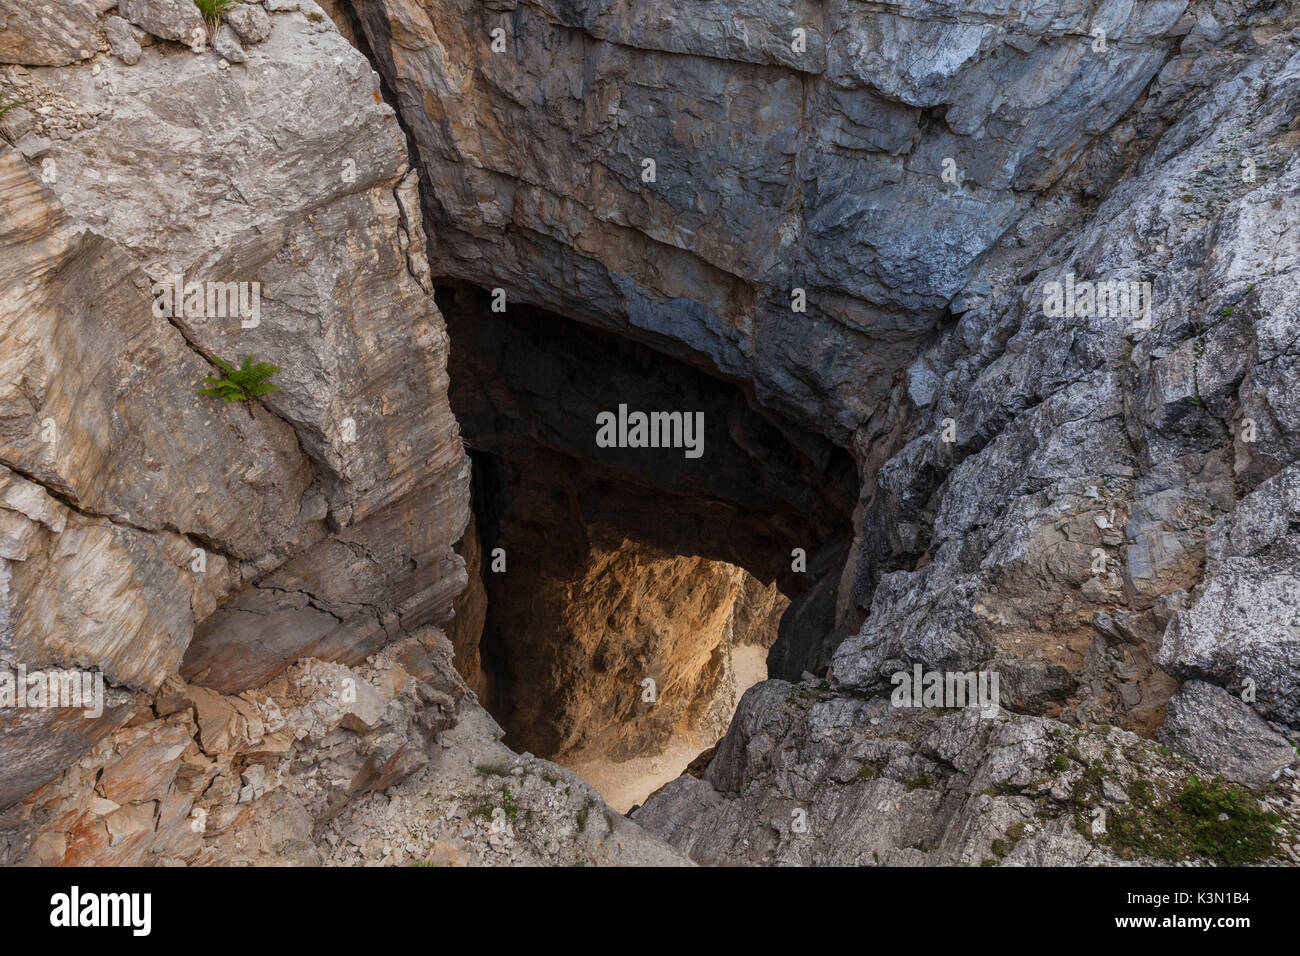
(846, 220)
(151, 529)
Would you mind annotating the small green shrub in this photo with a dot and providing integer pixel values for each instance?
(1088, 787)
(1210, 819)
(508, 803)
(1142, 792)
(7, 104)
(241, 384)
(213, 10)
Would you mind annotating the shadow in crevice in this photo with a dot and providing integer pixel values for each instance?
(622, 565)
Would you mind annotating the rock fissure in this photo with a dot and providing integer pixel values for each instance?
(65, 499)
(840, 261)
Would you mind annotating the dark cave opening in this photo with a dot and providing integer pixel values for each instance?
(621, 597)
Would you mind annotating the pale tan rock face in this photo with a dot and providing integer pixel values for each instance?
(134, 509)
(632, 651)
(284, 775)
(85, 592)
(97, 391)
(341, 599)
(290, 175)
(48, 34)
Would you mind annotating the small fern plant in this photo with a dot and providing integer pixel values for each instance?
(241, 384)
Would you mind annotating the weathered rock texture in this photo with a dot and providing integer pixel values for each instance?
(1057, 533)
(146, 523)
(282, 776)
(1061, 526)
(1225, 734)
(1035, 490)
(577, 688)
(1241, 631)
(830, 227)
(46, 33)
(252, 582)
(806, 777)
(774, 169)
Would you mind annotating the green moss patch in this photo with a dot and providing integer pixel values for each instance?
(1207, 819)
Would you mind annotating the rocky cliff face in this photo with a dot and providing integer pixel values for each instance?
(149, 530)
(1037, 489)
(389, 763)
(675, 177)
(833, 228)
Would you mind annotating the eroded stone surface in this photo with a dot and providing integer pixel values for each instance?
(1241, 630)
(774, 169)
(804, 777)
(1062, 524)
(1223, 733)
(281, 775)
(178, 20)
(136, 507)
(1075, 501)
(46, 33)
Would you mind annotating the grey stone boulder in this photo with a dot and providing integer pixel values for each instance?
(169, 19)
(1204, 35)
(121, 40)
(1223, 734)
(47, 34)
(1243, 625)
(227, 45)
(250, 22)
(17, 123)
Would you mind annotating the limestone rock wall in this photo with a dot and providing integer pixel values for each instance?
(848, 213)
(149, 529)
(1090, 505)
(252, 582)
(781, 161)
(1085, 437)
(808, 777)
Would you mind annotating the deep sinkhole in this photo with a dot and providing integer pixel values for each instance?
(622, 598)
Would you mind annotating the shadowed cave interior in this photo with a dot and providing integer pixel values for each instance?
(621, 599)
